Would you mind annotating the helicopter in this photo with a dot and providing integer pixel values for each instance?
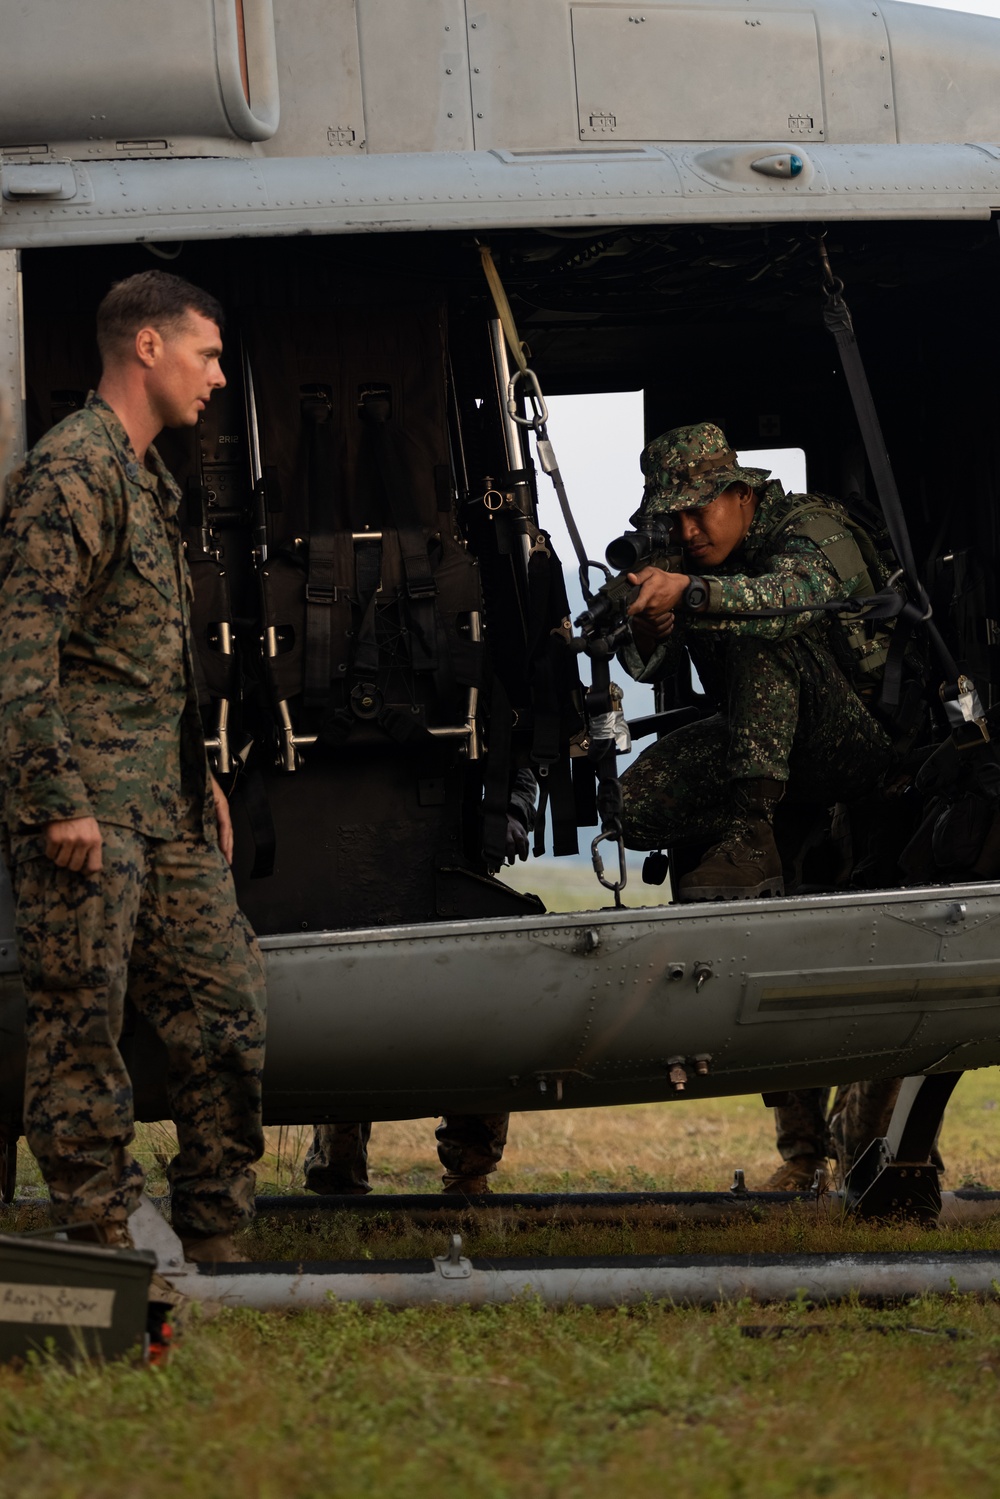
(662, 192)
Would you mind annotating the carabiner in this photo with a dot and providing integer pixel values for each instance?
(617, 886)
(540, 412)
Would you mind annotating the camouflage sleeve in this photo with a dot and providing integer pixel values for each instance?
(44, 564)
(666, 658)
(799, 574)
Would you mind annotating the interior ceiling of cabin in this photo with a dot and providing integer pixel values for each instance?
(637, 286)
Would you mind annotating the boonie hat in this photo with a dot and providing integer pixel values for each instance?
(688, 467)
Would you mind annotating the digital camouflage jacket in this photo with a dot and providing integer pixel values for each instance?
(778, 565)
(98, 704)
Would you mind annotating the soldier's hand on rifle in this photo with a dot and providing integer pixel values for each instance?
(75, 844)
(659, 594)
(646, 639)
(223, 821)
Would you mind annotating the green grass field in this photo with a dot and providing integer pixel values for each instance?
(524, 1402)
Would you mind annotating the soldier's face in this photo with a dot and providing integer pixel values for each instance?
(186, 370)
(711, 534)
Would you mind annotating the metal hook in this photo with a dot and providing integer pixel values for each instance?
(540, 412)
(618, 885)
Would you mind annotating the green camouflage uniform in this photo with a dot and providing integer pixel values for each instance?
(469, 1146)
(786, 709)
(99, 717)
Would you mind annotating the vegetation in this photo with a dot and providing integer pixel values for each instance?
(531, 1402)
(527, 1402)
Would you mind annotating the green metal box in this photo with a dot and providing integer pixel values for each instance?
(73, 1298)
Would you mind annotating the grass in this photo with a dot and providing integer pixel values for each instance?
(524, 1402)
(527, 1402)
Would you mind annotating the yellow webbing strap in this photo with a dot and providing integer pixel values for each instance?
(519, 350)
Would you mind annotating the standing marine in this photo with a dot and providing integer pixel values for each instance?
(789, 689)
(116, 834)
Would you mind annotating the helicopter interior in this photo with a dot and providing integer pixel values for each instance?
(350, 813)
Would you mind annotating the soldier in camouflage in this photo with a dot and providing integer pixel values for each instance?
(789, 721)
(116, 834)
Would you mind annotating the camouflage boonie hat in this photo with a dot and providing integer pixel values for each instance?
(688, 467)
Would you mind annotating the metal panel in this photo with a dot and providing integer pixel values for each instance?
(415, 75)
(944, 76)
(124, 69)
(319, 80)
(697, 74)
(198, 199)
(523, 84)
(11, 406)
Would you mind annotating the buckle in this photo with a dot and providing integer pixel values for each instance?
(317, 595)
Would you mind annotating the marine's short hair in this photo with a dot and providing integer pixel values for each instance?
(154, 299)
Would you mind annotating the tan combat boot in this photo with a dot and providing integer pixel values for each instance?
(218, 1249)
(747, 863)
(115, 1235)
(467, 1186)
(798, 1175)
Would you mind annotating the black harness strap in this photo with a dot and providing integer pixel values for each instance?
(251, 789)
(496, 786)
(317, 414)
(837, 318)
(368, 575)
(421, 588)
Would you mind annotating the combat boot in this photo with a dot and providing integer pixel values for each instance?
(467, 1186)
(798, 1175)
(116, 1235)
(746, 864)
(216, 1249)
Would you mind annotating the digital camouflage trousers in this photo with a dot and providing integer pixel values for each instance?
(160, 921)
(790, 715)
(859, 1115)
(468, 1145)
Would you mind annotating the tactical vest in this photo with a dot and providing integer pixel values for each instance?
(855, 560)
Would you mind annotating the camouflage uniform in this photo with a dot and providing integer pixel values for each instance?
(470, 1146)
(99, 717)
(787, 711)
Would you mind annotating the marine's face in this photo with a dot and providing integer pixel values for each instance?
(710, 534)
(185, 370)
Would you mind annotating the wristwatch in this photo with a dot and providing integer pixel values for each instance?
(696, 594)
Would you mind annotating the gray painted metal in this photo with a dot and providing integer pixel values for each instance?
(104, 75)
(198, 199)
(117, 78)
(687, 1280)
(592, 1009)
(11, 362)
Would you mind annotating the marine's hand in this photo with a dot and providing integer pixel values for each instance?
(659, 594)
(75, 844)
(223, 821)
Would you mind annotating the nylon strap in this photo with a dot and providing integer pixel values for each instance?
(504, 313)
(421, 587)
(317, 414)
(837, 318)
(496, 787)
